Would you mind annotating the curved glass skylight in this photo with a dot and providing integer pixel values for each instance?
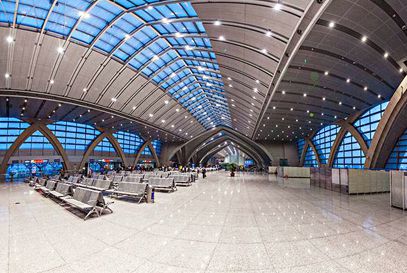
(165, 42)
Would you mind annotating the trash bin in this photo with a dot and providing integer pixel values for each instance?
(150, 194)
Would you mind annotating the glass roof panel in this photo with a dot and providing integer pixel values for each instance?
(165, 42)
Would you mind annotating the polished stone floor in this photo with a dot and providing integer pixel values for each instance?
(249, 223)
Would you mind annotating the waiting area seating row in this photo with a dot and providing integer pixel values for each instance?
(87, 200)
(87, 193)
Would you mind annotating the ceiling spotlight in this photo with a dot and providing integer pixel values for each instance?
(257, 81)
(340, 103)
(51, 82)
(163, 120)
(178, 35)
(283, 92)
(150, 115)
(177, 110)
(364, 39)
(127, 36)
(323, 98)
(165, 20)
(386, 54)
(9, 39)
(60, 50)
(331, 24)
(255, 90)
(354, 108)
(85, 89)
(7, 75)
(230, 85)
(113, 99)
(229, 78)
(365, 88)
(221, 38)
(277, 6)
(166, 102)
(217, 23)
(268, 33)
(379, 96)
(305, 94)
(348, 80)
(59, 105)
(401, 70)
(155, 58)
(188, 47)
(173, 75)
(134, 107)
(264, 51)
(326, 73)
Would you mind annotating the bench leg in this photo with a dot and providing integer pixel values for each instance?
(93, 210)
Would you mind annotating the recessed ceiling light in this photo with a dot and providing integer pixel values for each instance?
(84, 14)
(264, 51)
(178, 35)
(365, 88)
(364, 39)
(7, 75)
(60, 50)
(51, 82)
(114, 99)
(326, 73)
(255, 90)
(401, 70)
(274, 108)
(166, 102)
(331, 24)
(277, 6)
(340, 103)
(134, 107)
(305, 94)
(291, 109)
(354, 108)
(217, 23)
(221, 38)
(269, 33)
(283, 92)
(163, 120)
(348, 80)
(85, 89)
(229, 78)
(155, 58)
(150, 115)
(9, 39)
(127, 36)
(177, 110)
(173, 75)
(386, 54)
(379, 96)
(323, 98)
(165, 20)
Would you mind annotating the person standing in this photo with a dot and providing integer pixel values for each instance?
(203, 173)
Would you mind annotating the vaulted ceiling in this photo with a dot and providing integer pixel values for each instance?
(273, 70)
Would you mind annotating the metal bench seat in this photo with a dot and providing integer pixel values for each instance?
(132, 179)
(62, 189)
(184, 180)
(87, 200)
(137, 190)
(41, 184)
(100, 185)
(162, 183)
